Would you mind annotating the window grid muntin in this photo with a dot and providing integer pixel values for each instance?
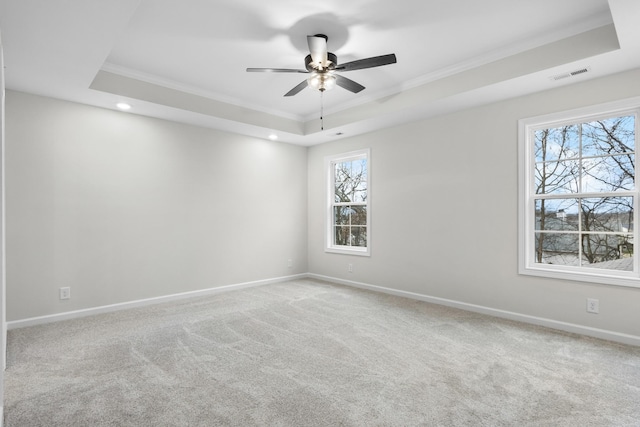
(350, 225)
(580, 222)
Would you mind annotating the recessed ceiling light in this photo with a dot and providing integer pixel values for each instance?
(273, 137)
(123, 106)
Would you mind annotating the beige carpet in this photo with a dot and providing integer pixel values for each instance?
(307, 353)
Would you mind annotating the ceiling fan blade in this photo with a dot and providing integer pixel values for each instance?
(375, 61)
(275, 70)
(318, 49)
(348, 84)
(297, 89)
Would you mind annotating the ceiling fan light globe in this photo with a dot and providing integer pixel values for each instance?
(314, 81)
(321, 82)
(329, 82)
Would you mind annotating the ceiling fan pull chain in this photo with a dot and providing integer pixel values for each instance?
(321, 110)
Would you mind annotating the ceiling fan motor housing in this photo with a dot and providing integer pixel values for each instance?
(332, 61)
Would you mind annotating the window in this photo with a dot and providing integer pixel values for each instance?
(578, 195)
(348, 224)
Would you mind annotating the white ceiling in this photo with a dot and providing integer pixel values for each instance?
(185, 60)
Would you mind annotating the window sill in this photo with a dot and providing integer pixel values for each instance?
(601, 277)
(349, 251)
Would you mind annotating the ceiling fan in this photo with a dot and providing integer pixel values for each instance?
(323, 65)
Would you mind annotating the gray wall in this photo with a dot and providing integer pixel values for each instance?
(122, 207)
(3, 320)
(445, 208)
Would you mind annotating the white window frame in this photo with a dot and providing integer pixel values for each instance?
(526, 196)
(330, 163)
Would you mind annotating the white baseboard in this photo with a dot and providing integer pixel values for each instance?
(549, 323)
(144, 302)
(540, 321)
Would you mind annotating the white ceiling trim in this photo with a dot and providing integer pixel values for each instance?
(148, 78)
(372, 96)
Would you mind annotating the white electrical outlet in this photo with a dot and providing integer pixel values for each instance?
(289, 263)
(65, 293)
(593, 305)
(350, 268)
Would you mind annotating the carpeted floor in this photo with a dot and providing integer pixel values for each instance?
(307, 353)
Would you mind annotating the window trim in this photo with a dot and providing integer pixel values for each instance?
(526, 195)
(330, 176)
